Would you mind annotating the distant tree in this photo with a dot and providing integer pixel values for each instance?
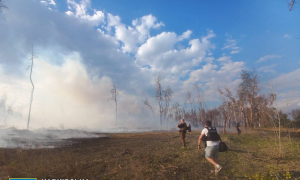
(146, 103)
(176, 109)
(31, 98)
(200, 103)
(167, 98)
(114, 93)
(248, 91)
(159, 98)
(296, 114)
(296, 117)
(2, 6)
(291, 4)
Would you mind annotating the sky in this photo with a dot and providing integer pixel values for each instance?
(83, 47)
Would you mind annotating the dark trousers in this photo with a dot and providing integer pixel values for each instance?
(238, 130)
(182, 137)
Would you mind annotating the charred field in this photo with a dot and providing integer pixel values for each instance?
(155, 155)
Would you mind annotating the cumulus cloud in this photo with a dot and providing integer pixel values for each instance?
(80, 11)
(82, 51)
(133, 36)
(213, 76)
(160, 53)
(268, 57)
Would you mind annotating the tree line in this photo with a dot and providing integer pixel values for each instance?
(247, 105)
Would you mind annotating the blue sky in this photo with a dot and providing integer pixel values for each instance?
(258, 26)
(85, 46)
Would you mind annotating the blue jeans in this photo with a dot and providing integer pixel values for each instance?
(212, 152)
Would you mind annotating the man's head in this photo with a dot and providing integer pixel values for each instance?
(182, 120)
(207, 123)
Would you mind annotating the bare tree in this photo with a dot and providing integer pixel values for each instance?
(225, 109)
(167, 98)
(2, 6)
(248, 92)
(192, 115)
(114, 93)
(31, 98)
(159, 98)
(200, 102)
(177, 111)
(234, 104)
(146, 102)
(291, 4)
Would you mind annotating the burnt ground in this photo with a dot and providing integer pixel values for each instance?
(154, 156)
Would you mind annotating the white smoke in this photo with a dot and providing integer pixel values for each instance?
(66, 94)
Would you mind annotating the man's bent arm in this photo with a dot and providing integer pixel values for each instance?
(200, 139)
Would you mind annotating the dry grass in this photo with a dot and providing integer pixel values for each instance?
(151, 156)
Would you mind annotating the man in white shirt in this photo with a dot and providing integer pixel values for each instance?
(212, 139)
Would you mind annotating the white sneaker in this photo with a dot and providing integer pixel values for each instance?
(217, 169)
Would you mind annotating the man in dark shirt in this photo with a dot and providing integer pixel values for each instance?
(189, 128)
(238, 128)
(182, 131)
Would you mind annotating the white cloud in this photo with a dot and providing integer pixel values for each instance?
(51, 2)
(75, 69)
(80, 11)
(231, 44)
(159, 52)
(268, 57)
(224, 58)
(267, 69)
(133, 36)
(288, 36)
(185, 35)
(287, 80)
(234, 52)
(212, 76)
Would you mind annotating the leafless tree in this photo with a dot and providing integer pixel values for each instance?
(200, 102)
(167, 98)
(176, 109)
(146, 102)
(159, 98)
(2, 6)
(233, 104)
(114, 93)
(31, 98)
(192, 114)
(291, 4)
(248, 92)
(225, 109)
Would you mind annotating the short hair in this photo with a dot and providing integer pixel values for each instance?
(182, 119)
(208, 123)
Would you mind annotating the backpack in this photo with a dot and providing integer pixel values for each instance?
(222, 147)
(212, 134)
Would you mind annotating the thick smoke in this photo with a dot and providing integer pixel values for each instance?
(66, 94)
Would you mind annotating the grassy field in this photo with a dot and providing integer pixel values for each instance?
(253, 155)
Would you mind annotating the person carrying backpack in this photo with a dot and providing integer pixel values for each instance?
(182, 131)
(212, 139)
